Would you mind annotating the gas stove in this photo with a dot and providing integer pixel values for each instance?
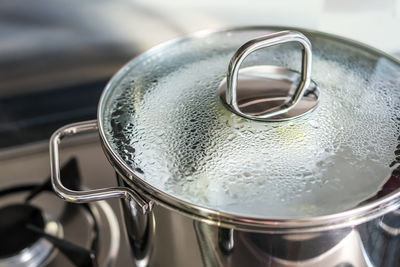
(54, 77)
(40, 229)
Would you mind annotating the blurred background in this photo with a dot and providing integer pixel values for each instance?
(56, 56)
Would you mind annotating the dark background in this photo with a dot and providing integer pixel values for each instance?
(57, 56)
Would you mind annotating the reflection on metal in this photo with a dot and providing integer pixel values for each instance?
(390, 223)
(337, 248)
(140, 229)
(209, 248)
(381, 240)
(348, 252)
(388, 229)
(225, 240)
(111, 249)
(261, 89)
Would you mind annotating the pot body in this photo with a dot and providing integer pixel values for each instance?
(179, 233)
(165, 237)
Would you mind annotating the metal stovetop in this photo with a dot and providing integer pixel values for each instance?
(30, 164)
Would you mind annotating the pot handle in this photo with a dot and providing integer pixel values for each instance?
(86, 195)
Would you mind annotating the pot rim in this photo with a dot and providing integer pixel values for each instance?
(332, 221)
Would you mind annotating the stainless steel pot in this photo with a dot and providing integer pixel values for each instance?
(166, 230)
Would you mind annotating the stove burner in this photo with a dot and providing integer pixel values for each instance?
(15, 235)
(22, 230)
(30, 237)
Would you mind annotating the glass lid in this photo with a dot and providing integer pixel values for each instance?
(164, 116)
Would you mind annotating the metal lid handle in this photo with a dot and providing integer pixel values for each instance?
(262, 42)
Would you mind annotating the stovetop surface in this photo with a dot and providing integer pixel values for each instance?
(29, 164)
(54, 64)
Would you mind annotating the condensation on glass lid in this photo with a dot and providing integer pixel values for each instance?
(165, 120)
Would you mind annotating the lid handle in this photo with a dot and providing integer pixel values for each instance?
(256, 44)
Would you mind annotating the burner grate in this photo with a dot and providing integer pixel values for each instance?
(23, 225)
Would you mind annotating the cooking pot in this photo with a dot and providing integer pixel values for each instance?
(293, 163)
